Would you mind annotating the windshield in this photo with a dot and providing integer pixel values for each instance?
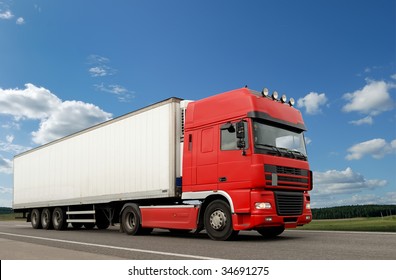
(270, 139)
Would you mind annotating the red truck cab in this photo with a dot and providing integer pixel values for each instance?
(244, 153)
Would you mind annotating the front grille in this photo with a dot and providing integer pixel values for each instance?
(289, 203)
(286, 176)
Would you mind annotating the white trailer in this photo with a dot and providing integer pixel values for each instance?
(132, 157)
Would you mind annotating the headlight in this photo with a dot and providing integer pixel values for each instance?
(308, 206)
(262, 205)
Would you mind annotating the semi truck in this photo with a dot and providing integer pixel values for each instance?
(229, 162)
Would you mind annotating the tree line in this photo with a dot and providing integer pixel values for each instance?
(354, 211)
(5, 210)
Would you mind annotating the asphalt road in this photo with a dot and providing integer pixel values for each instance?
(19, 241)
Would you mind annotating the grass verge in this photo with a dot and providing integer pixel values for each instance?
(10, 217)
(385, 224)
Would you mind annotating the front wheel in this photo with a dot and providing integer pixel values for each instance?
(218, 221)
(131, 220)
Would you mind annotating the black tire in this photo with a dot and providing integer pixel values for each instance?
(35, 219)
(270, 232)
(131, 220)
(59, 219)
(218, 221)
(46, 219)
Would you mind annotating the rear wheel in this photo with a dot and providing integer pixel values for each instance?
(35, 219)
(46, 220)
(218, 221)
(271, 231)
(59, 219)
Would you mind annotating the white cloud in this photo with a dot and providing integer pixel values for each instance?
(10, 138)
(9, 147)
(97, 59)
(342, 187)
(69, 117)
(367, 120)
(5, 165)
(356, 199)
(98, 71)
(100, 66)
(4, 190)
(5, 196)
(29, 103)
(20, 21)
(6, 15)
(57, 118)
(377, 148)
(372, 99)
(123, 94)
(312, 102)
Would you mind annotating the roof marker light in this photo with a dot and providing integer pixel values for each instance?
(275, 95)
(283, 98)
(291, 102)
(265, 92)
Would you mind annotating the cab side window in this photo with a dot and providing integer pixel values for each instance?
(228, 137)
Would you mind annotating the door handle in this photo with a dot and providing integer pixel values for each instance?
(223, 179)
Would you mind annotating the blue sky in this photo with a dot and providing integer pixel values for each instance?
(66, 65)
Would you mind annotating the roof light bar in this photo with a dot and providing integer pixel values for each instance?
(291, 102)
(275, 95)
(265, 92)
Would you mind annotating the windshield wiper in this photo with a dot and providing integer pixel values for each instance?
(274, 148)
(299, 153)
(296, 154)
(284, 151)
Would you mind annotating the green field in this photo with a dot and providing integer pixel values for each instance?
(385, 224)
(11, 217)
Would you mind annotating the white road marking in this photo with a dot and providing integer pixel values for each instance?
(111, 247)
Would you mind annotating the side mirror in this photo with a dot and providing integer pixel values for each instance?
(240, 134)
(240, 130)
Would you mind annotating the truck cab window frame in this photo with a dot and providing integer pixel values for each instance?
(228, 137)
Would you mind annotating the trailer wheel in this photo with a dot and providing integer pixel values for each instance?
(35, 219)
(59, 219)
(131, 220)
(46, 221)
(218, 221)
(270, 232)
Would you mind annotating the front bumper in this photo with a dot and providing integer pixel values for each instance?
(259, 218)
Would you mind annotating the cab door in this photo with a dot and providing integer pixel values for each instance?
(234, 166)
(206, 159)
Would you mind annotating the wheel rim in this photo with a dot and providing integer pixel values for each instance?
(218, 220)
(45, 217)
(57, 218)
(131, 221)
(35, 218)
